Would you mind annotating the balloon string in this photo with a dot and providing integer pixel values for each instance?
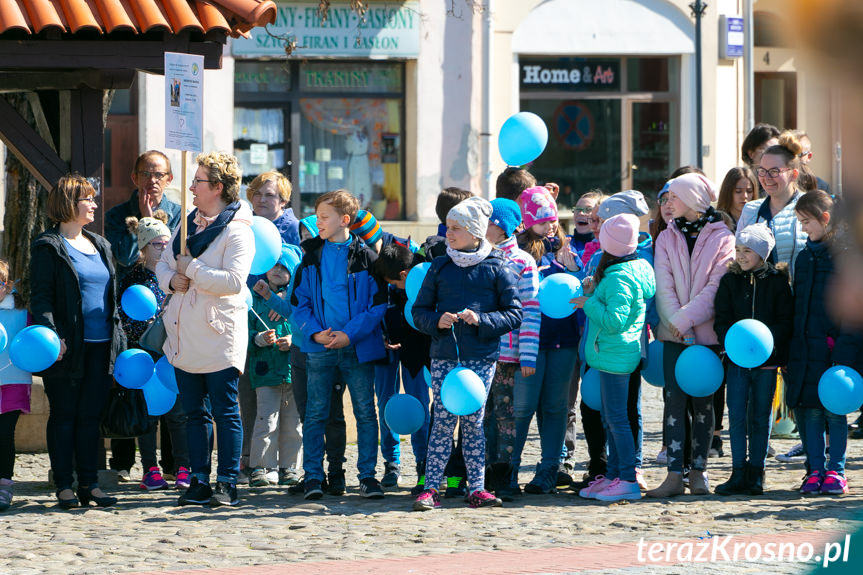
(259, 318)
(5, 366)
(457, 356)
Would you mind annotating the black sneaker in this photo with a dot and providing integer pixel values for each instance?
(225, 494)
(336, 483)
(391, 475)
(312, 489)
(370, 488)
(563, 478)
(197, 494)
(298, 488)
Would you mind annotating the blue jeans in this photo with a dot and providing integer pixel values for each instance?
(837, 426)
(387, 385)
(323, 368)
(749, 396)
(614, 390)
(221, 388)
(546, 391)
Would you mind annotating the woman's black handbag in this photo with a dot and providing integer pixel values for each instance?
(153, 338)
(126, 415)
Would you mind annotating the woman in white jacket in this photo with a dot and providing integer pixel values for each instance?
(206, 322)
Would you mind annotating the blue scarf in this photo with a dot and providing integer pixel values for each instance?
(197, 243)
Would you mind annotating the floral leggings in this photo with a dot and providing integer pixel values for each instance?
(500, 417)
(440, 441)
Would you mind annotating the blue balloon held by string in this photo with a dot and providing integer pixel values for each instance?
(415, 278)
(522, 138)
(840, 390)
(139, 302)
(590, 391)
(268, 245)
(462, 391)
(247, 296)
(749, 343)
(166, 374)
(555, 291)
(34, 349)
(159, 399)
(133, 368)
(404, 414)
(654, 372)
(699, 371)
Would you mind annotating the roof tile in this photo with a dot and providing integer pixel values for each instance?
(235, 17)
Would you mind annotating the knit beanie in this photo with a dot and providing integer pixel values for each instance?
(290, 257)
(537, 206)
(628, 202)
(694, 190)
(367, 228)
(472, 214)
(619, 235)
(758, 238)
(148, 229)
(505, 214)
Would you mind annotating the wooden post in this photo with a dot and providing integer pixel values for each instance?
(184, 231)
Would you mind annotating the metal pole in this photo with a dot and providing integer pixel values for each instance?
(698, 8)
(748, 70)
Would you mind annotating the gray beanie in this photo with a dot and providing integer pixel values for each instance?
(628, 202)
(758, 238)
(472, 214)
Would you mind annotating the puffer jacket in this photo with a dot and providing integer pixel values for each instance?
(207, 327)
(686, 285)
(763, 294)
(818, 341)
(616, 312)
(489, 288)
(790, 238)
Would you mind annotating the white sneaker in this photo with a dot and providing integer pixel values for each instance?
(594, 487)
(794, 455)
(123, 476)
(273, 476)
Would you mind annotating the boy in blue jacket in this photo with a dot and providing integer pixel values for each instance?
(338, 307)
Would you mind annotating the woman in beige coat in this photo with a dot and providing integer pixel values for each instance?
(206, 322)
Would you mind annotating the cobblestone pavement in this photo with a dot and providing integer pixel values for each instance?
(147, 532)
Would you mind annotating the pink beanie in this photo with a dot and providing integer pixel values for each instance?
(537, 206)
(694, 190)
(619, 235)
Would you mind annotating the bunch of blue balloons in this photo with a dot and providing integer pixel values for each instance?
(135, 369)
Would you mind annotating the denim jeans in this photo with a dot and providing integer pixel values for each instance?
(324, 367)
(749, 396)
(221, 389)
(547, 390)
(76, 407)
(387, 385)
(837, 426)
(614, 390)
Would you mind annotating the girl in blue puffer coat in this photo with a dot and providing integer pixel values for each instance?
(468, 300)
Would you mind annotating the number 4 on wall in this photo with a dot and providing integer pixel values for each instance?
(767, 58)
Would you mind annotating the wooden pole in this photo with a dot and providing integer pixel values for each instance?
(184, 231)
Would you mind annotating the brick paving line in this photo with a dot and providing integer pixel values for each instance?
(508, 562)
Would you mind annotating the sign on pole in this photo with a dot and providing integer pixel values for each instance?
(184, 102)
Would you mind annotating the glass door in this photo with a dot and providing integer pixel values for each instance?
(652, 146)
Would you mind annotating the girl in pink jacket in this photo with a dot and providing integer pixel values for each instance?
(691, 257)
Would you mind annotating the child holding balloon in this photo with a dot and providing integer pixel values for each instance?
(691, 257)
(14, 383)
(621, 286)
(468, 300)
(818, 342)
(753, 288)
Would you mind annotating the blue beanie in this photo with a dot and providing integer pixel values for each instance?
(290, 258)
(505, 214)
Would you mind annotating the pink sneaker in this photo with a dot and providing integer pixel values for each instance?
(834, 484)
(812, 484)
(618, 490)
(482, 498)
(427, 501)
(183, 479)
(594, 487)
(153, 480)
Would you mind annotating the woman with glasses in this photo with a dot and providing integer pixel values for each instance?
(73, 292)
(152, 237)
(206, 322)
(778, 172)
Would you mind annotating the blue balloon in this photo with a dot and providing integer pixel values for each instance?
(590, 392)
(749, 343)
(462, 392)
(139, 302)
(409, 316)
(4, 338)
(34, 349)
(404, 414)
(522, 138)
(840, 390)
(555, 291)
(133, 368)
(699, 371)
(415, 279)
(268, 245)
(653, 372)
(247, 295)
(427, 376)
(159, 399)
(166, 374)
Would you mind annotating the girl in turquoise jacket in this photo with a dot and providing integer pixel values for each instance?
(616, 310)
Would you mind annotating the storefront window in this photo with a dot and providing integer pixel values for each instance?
(259, 141)
(647, 74)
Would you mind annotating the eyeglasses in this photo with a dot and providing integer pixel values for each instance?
(90, 200)
(197, 181)
(772, 172)
(157, 175)
(584, 211)
(158, 245)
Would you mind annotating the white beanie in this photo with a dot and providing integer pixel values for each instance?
(694, 190)
(758, 238)
(472, 214)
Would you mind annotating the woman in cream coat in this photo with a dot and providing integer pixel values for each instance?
(206, 322)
